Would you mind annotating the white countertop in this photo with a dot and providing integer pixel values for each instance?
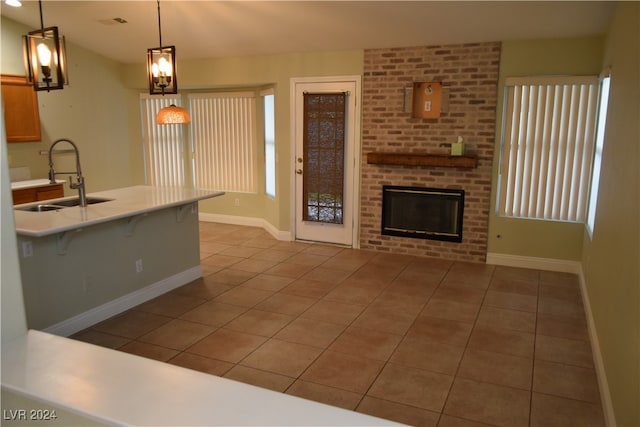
(129, 201)
(122, 389)
(30, 183)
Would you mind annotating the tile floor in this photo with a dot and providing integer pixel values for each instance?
(420, 341)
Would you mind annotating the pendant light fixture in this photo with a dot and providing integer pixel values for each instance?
(161, 69)
(45, 57)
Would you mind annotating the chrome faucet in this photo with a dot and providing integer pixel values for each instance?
(79, 184)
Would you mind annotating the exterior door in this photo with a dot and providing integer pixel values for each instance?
(326, 138)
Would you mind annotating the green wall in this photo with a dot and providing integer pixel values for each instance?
(611, 260)
(535, 238)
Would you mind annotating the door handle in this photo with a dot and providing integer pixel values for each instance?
(299, 171)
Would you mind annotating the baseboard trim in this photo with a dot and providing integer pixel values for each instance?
(603, 384)
(102, 312)
(548, 264)
(248, 221)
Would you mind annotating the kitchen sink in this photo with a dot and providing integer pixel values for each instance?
(76, 201)
(55, 205)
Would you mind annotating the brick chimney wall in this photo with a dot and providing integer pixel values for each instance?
(470, 74)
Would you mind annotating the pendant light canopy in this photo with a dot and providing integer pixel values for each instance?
(45, 57)
(161, 66)
(173, 115)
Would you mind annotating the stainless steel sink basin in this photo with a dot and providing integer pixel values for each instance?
(41, 208)
(55, 205)
(76, 201)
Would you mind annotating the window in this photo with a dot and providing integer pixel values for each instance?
(223, 139)
(269, 142)
(164, 149)
(547, 147)
(597, 156)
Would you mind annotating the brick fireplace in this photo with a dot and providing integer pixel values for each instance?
(469, 74)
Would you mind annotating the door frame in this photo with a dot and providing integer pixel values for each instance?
(355, 160)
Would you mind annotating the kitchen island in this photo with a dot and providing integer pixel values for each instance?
(81, 265)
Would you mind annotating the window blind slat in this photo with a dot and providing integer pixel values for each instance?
(547, 144)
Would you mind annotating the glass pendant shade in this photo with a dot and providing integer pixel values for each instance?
(161, 68)
(173, 115)
(45, 59)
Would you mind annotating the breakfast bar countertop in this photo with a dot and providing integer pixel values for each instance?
(125, 202)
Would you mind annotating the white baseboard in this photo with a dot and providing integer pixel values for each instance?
(548, 264)
(248, 221)
(98, 314)
(603, 384)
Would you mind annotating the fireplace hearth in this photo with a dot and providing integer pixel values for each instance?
(423, 213)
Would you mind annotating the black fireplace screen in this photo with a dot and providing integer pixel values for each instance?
(423, 213)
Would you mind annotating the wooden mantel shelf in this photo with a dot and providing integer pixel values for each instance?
(411, 159)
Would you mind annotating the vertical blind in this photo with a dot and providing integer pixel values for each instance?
(547, 147)
(163, 144)
(223, 137)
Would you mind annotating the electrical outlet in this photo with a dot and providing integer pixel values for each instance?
(236, 202)
(27, 249)
(139, 266)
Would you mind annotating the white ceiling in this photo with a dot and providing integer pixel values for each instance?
(208, 29)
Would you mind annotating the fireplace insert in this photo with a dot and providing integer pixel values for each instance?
(423, 213)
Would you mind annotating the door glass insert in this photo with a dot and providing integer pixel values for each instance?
(323, 157)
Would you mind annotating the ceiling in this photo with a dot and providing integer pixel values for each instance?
(209, 29)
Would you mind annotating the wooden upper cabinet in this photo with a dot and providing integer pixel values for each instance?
(20, 104)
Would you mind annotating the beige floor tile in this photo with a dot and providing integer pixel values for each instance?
(393, 322)
(511, 301)
(267, 282)
(254, 265)
(419, 290)
(333, 312)
(240, 251)
(488, 403)
(562, 327)
(201, 363)
(177, 334)
(556, 278)
(391, 300)
(214, 313)
(324, 250)
(349, 293)
(259, 378)
(503, 318)
(289, 269)
(459, 294)
(261, 242)
(202, 288)
(292, 305)
(328, 275)
(343, 371)
(565, 381)
(149, 351)
(471, 270)
(375, 275)
(496, 368)
(562, 350)
(449, 421)
(441, 330)
(516, 273)
(451, 310)
(514, 286)
(292, 247)
(131, 324)
(329, 395)
(219, 260)
(502, 341)
(282, 357)
(229, 276)
(243, 296)
(367, 343)
(272, 255)
(307, 259)
(309, 288)
(425, 353)
(561, 307)
(258, 322)
(100, 338)
(226, 345)
(459, 281)
(398, 412)
(553, 411)
(349, 260)
(411, 386)
(310, 332)
(170, 305)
